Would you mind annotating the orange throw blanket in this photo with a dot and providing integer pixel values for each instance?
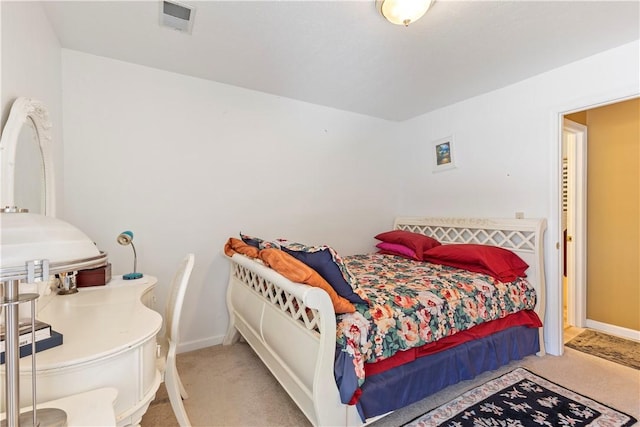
(291, 268)
(297, 271)
(237, 246)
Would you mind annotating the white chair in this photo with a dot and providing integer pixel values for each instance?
(167, 344)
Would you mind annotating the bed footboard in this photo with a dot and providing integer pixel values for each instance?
(292, 328)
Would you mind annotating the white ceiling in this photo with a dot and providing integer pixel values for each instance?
(343, 54)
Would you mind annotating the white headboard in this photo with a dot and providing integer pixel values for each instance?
(521, 236)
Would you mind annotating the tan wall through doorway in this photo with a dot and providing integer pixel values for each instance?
(613, 214)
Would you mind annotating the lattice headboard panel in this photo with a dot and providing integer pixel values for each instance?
(288, 303)
(522, 236)
(509, 239)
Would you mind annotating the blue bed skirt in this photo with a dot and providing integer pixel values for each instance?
(427, 375)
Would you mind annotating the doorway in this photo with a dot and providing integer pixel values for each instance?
(607, 222)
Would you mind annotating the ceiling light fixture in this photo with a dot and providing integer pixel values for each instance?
(403, 12)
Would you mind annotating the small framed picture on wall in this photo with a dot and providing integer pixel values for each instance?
(442, 152)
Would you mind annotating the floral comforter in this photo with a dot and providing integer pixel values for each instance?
(414, 303)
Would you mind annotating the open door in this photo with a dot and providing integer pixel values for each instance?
(574, 221)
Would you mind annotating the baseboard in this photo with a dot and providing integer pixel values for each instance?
(619, 331)
(198, 344)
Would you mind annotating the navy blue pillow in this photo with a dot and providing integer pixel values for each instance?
(322, 262)
(251, 241)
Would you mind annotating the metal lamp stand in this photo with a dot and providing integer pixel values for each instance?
(37, 417)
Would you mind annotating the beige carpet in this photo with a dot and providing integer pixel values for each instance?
(229, 386)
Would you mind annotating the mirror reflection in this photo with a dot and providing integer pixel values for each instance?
(26, 162)
(29, 184)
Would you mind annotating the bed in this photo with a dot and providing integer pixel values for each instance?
(292, 328)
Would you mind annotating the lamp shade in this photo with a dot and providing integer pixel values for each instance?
(403, 12)
(125, 237)
(27, 237)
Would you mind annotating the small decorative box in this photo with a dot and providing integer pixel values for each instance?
(94, 277)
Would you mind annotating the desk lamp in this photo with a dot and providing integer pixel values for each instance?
(33, 248)
(126, 238)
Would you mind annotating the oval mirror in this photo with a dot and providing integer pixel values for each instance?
(25, 159)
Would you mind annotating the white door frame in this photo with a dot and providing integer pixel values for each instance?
(574, 137)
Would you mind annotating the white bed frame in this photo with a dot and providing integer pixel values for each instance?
(292, 327)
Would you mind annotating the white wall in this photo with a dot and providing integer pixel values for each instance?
(186, 163)
(31, 68)
(507, 151)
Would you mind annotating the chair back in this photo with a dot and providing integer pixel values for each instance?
(176, 298)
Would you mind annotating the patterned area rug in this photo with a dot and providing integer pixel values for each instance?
(619, 350)
(521, 398)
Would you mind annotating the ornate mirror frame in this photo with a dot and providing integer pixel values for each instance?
(22, 110)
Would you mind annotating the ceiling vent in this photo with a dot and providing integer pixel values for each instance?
(177, 16)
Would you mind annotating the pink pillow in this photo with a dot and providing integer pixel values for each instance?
(397, 249)
(497, 262)
(419, 243)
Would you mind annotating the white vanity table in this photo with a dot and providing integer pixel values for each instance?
(109, 332)
(109, 340)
